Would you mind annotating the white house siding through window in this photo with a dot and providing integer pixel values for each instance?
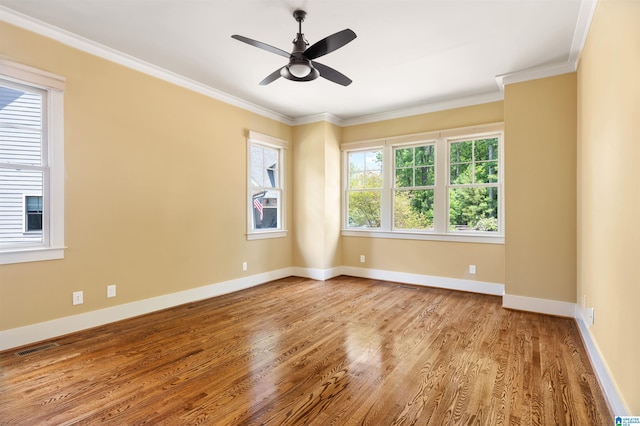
(265, 195)
(21, 163)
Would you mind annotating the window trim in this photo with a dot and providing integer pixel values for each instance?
(53, 245)
(442, 139)
(255, 138)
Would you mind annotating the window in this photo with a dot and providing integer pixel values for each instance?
(31, 165)
(414, 187)
(33, 213)
(438, 185)
(266, 205)
(474, 185)
(364, 189)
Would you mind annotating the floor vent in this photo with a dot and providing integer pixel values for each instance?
(37, 349)
(410, 287)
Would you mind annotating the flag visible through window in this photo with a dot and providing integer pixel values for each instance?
(257, 203)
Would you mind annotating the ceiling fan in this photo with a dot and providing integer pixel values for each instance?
(301, 66)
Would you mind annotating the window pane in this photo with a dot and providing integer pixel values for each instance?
(461, 152)
(404, 157)
(473, 209)
(365, 169)
(425, 155)
(404, 177)
(413, 209)
(487, 172)
(461, 173)
(271, 167)
(265, 209)
(486, 149)
(373, 179)
(14, 205)
(271, 177)
(356, 170)
(20, 126)
(373, 161)
(364, 209)
(257, 166)
(356, 179)
(425, 176)
(34, 204)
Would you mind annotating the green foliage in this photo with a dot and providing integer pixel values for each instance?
(413, 209)
(364, 209)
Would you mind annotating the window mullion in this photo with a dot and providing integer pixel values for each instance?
(441, 197)
(386, 202)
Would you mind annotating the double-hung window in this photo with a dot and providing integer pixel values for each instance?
(364, 191)
(31, 164)
(266, 195)
(444, 185)
(414, 187)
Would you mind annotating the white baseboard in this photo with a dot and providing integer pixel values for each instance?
(426, 280)
(616, 404)
(317, 274)
(541, 306)
(50, 329)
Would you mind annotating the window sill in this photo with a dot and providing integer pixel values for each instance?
(30, 254)
(457, 238)
(266, 234)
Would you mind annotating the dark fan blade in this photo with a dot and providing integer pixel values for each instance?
(261, 45)
(329, 44)
(271, 77)
(331, 74)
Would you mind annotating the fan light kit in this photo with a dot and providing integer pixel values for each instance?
(301, 66)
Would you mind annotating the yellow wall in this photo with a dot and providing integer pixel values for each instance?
(436, 258)
(332, 196)
(316, 188)
(540, 184)
(440, 120)
(155, 181)
(609, 189)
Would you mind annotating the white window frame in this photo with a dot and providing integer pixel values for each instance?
(442, 140)
(52, 246)
(259, 139)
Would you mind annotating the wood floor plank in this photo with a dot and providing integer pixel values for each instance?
(347, 351)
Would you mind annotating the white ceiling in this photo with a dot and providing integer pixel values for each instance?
(408, 54)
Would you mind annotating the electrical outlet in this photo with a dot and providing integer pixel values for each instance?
(111, 290)
(362, 258)
(472, 269)
(78, 298)
(590, 316)
(245, 266)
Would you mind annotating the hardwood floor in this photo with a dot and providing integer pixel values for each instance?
(341, 352)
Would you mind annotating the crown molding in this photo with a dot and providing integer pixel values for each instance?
(583, 23)
(325, 116)
(534, 73)
(73, 40)
(427, 108)
(585, 16)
